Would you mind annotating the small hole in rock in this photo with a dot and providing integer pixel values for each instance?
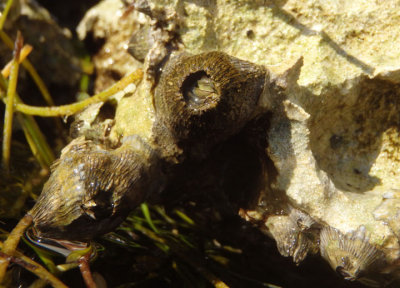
(93, 44)
(107, 111)
(115, 75)
(250, 34)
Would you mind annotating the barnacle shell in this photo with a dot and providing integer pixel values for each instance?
(140, 43)
(202, 99)
(302, 220)
(294, 234)
(351, 254)
(91, 189)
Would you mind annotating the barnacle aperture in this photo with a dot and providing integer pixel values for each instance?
(203, 99)
(92, 189)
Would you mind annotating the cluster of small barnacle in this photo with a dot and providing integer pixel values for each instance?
(351, 254)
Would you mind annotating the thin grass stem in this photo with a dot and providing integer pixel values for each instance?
(31, 70)
(147, 216)
(11, 244)
(38, 81)
(9, 113)
(35, 268)
(26, 50)
(85, 271)
(5, 13)
(65, 110)
(37, 141)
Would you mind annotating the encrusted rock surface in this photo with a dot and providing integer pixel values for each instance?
(334, 135)
(109, 23)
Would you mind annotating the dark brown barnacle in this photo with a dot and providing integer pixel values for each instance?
(203, 99)
(91, 189)
(351, 255)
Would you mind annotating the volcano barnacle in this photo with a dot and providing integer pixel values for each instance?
(203, 99)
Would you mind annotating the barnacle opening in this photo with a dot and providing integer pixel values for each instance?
(199, 91)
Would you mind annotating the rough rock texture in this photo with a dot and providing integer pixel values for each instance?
(112, 24)
(334, 136)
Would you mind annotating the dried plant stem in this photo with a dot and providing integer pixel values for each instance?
(85, 271)
(37, 269)
(65, 110)
(26, 50)
(30, 265)
(31, 70)
(9, 113)
(5, 13)
(11, 244)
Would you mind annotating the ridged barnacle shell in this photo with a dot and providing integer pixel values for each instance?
(351, 255)
(91, 189)
(294, 234)
(203, 99)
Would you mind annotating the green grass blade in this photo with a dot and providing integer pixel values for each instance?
(184, 217)
(36, 140)
(9, 113)
(147, 216)
(5, 13)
